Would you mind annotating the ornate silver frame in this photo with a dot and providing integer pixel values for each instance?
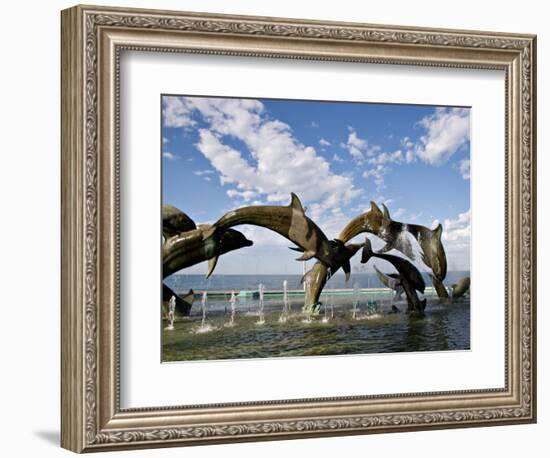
(92, 39)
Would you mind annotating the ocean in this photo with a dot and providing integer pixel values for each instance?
(181, 283)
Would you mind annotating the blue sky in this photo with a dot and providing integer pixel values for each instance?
(224, 153)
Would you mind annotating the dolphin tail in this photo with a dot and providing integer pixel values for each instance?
(346, 267)
(189, 297)
(212, 265)
(367, 252)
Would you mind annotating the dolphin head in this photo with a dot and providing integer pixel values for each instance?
(232, 239)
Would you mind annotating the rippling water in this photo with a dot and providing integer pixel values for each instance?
(443, 327)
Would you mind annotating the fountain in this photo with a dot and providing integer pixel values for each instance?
(261, 319)
(325, 317)
(171, 313)
(204, 327)
(356, 293)
(286, 304)
(232, 301)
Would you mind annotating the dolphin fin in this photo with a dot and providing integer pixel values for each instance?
(437, 232)
(367, 251)
(212, 265)
(346, 267)
(296, 248)
(306, 256)
(295, 203)
(374, 207)
(386, 212)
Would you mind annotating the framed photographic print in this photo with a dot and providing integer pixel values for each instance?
(396, 163)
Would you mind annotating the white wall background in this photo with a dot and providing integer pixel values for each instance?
(29, 234)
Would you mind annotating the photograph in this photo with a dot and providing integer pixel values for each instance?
(304, 228)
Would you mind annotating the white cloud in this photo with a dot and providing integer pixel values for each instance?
(412, 217)
(446, 131)
(176, 112)
(458, 230)
(403, 215)
(356, 146)
(377, 173)
(314, 125)
(200, 173)
(398, 213)
(396, 157)
(384, 200)
(277, 163)
(245, 195)
(169, 156)
(456, 240)
(164, 140)
(324, 142)
(464, 168)
(337, 158)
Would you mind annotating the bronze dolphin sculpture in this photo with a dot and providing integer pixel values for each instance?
(289, 221)
(461, 287)
(391, 281)
(433, 253)
(315, 279)
(371, 221)
(191, 247)
(174, 221)
(376, 222)
(411, 279)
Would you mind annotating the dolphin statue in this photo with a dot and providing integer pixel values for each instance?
(370, 221)
(391, 281)
(411, 280)
(377, 222)
(191, 247)
(461, 287)
(316, 278)
(174, 221)
(289, 221)
(433, 253)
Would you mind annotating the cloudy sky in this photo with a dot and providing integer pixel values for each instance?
(223, 153)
